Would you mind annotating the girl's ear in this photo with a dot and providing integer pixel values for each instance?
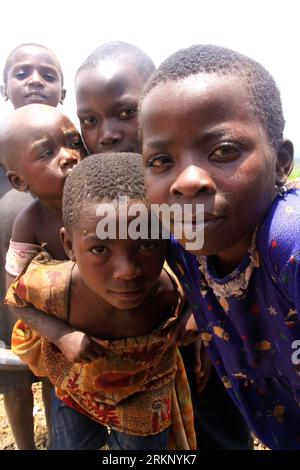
(17, 180)
(67, 243)
(3, 93)
(285, 162)
(62, 95)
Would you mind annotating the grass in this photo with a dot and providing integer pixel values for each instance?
(295, 174)
(296, 171)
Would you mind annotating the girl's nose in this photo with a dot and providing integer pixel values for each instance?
(191, 181)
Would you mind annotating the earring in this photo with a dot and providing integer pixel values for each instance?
(281, 190)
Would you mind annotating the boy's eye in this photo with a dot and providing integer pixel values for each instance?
(76, 144)
(99, 250)
(49, 77)
(147, 246)
(46, 154)
(159, 161)
(88, 122)
(128, 113)
(20, 75)
(225, 151)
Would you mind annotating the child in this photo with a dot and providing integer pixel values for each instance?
(108, 87)
(31, 74)
(212, 126)
(104, 290)
(51, 147)
(82, 433)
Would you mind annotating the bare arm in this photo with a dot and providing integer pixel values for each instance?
(185, 333)
(24, 225)
(76, 345)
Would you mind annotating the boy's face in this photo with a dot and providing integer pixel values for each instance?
(120, 271)
(51, 147)
(34, 77)
(202, 144)
(107, 101)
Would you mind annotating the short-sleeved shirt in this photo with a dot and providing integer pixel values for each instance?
(250, 323)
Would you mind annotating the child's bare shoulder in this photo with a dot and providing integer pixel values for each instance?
(26, 223)
(167, 294)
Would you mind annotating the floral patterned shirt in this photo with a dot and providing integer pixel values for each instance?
(250, 324)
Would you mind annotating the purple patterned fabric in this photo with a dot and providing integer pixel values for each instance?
(250, 337)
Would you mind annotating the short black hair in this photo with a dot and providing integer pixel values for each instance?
(122, 51)
(28, 44)
(102, 177)
(263, 92)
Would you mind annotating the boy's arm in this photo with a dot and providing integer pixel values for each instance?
(186, 334)
(74, 344)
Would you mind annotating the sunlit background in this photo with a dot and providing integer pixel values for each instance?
(267, 31)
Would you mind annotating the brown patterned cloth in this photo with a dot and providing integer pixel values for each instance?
(130, 387)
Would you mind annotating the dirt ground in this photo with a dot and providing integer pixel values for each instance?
(6, 438)
(7, 441)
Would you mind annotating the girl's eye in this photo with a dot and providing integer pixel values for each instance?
(128, 113)
(226, 151)
(88, 122)
(159, 161)
(99, 250)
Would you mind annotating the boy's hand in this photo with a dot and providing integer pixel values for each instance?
(75, 345)
(185, 332)
(188, 332)
(78, 346)
(201, 364)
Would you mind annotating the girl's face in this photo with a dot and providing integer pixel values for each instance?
(202, 144)
(34, 77)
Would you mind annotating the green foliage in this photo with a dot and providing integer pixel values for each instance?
(296, 171)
